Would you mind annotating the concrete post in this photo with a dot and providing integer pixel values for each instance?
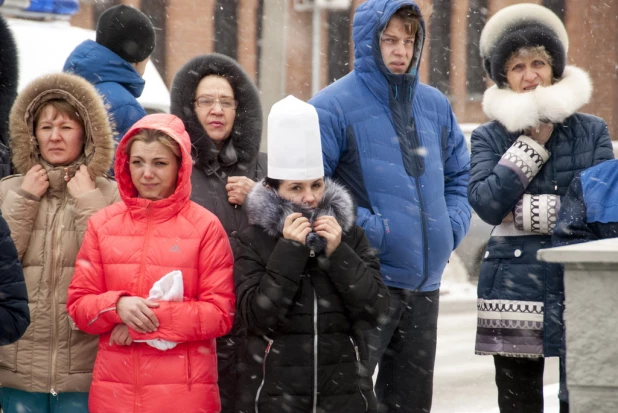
(273, 58)
(591, 317)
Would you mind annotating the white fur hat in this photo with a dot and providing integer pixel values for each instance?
(294, 143)
(522, 25)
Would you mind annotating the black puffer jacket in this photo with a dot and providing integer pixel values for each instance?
(14, 312)
(240, 157)
(305, 313)
(9, 72)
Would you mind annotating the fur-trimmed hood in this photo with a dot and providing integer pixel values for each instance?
(555, 103)
(267, 210)
(99, 144)
(247, 130)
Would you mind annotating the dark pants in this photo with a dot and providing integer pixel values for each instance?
(17, 401)
(404, 346)
(520, 384)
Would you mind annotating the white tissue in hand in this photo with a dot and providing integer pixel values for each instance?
(169, 288)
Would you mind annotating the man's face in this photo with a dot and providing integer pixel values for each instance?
(397, 46)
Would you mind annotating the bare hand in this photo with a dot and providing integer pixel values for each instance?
(508, 218)
(81, 182)
(36, 181)
(136, 313)
(328, 228)
(296, 227)
(120, 335)
(237, 189)
(541, 133)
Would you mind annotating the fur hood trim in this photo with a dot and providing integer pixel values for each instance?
(266, 209)
(555, 103)
(247, 130)
(99, 144)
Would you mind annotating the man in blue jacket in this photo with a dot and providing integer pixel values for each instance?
(115, 63)
(395, 143)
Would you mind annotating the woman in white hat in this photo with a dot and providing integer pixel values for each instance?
(307, 281)
(522, 163)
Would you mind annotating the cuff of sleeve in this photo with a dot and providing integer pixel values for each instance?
(526, 158)
(28, 195)
(537, 213)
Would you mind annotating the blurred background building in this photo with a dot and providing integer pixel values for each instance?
(273, 40)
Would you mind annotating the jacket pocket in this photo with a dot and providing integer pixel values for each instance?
(82, 351)
(359, 367)
(498, 260)
(8, 357)
(188, 368)
(259, 390)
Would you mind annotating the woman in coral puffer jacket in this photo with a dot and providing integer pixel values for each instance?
(130, 246)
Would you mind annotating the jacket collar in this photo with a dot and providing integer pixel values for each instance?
(163, 209)
(266, 209)
(370, 20)
(555, 103)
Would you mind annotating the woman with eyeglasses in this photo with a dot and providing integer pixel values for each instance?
(220, 107)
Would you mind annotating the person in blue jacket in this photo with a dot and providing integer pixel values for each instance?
(395, 144)
(589, 210)
(522, 163)
(14, 312)
(115, 63)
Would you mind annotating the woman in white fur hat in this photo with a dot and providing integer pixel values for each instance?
(522, 163)
(307, 281)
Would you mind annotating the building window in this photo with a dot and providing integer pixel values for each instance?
(226, 28)
(156, 11)
(557, 6)
(338, 45)
(440, 46)
(475, 75)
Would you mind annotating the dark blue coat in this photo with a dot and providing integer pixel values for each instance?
(395, 144)
(510, 270)
(114, 78)
(589, 209)
(14, 312)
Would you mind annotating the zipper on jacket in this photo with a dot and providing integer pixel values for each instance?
(424, 229)
(312, 253)
(139, 293)
(315, 351)
(55, 247)
(259, 390)
(358, 372)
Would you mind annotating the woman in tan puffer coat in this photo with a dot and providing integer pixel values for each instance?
(62, 147)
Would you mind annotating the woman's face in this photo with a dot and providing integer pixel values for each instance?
(215, 107)
(154, 170)
(307, 193)
(60, 138)
(526, 73)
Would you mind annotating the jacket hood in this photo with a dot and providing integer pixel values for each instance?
(99, 144)
(247, 130)
(97, 64)
(555, 103)
(370, 20)
(266, 209)
(174, 128)
(9, 74)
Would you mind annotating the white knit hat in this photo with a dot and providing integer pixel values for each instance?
(294, 143)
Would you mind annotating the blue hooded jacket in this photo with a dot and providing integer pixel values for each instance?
(395, 143)
(114, 78)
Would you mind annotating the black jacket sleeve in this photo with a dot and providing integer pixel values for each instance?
(355, 270)
(14, 312)
(572, 226)
(265, 290)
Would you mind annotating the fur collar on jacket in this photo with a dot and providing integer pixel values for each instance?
(555, 103)
(266, 209)
(247, 131)
(99, 144)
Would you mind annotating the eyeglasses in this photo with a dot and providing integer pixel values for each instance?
(392, 41)
(210, 101)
